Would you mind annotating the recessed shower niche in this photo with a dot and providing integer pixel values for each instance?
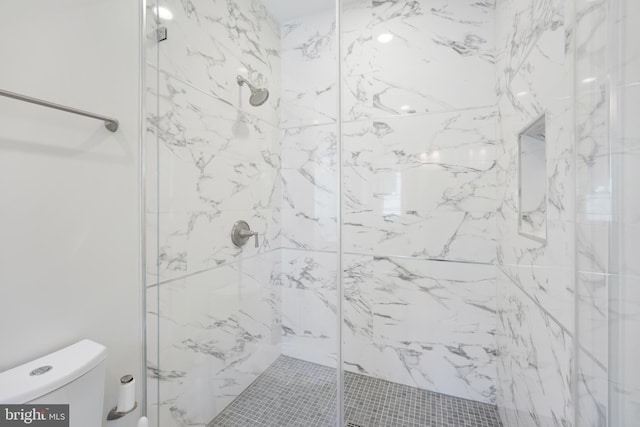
(532, 175)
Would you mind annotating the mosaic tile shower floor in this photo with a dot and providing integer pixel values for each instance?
(293, 392)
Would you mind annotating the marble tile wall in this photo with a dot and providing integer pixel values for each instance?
(535, 282)
(534, 365)
(214, 310)
(421, 322)
(419, 156)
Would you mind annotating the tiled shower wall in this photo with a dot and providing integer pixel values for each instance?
(419, 185)
(535, 280)
(213, 309)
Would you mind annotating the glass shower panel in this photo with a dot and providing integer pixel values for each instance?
(150, 232)
(242, 116)
(625, 293)
(309, 234)
(419, 149)
(608, 297)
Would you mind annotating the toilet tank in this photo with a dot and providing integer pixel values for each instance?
(74, 375)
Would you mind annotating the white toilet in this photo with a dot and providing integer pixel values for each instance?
(74, 375)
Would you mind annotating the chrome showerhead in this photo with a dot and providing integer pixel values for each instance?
(258, 95)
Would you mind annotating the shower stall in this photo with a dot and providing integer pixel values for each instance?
(391, 213)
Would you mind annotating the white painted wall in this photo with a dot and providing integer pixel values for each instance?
(69, 263)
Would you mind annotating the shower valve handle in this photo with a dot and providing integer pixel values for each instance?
(241, 232)
(248, 234)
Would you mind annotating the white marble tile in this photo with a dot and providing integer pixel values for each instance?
(392, 308)
(309, 145)
(312, 188)
(219, 331)
(170, 230)
(309, 209)
(214, 165)
(591, 394)
(465, 138)
(209, 236)
(211, 155)
(541, 85)
(309, 71)
(309, 187)
(358, 52)
(623, 369)
(308, 232)
(550, 287)
(388, 162)
(534, 364)
(453, 236)
(629, 57)
(520, 24)
(309, 301)
(453, 38)
(436, 42)
(591, 40)
(193, 241)
(209, 43)
(409, 295)
(594, 199)
(358, 301)
(592, 314)
(433, 187)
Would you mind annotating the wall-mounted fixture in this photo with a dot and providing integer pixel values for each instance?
(126, 398)
(258, 95)
(109, 122)
(532, 181)
(241, 232)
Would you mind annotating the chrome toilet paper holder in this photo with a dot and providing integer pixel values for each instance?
(114, 414)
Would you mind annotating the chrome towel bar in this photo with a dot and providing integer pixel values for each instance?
(109, 123)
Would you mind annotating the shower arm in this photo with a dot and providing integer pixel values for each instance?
(241, 80)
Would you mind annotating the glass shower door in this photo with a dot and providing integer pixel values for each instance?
(608, 297)
(241, 127)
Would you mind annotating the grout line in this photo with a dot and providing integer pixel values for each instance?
(375, 118)
(551, 316)
(323, 251)
(205, 270)
(591, 356)
(405, 257)
(275, 126)
(278, 126)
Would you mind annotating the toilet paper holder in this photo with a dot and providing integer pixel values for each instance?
(115, 415)
(126, 398)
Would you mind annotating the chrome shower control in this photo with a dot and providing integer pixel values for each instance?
(241, 232)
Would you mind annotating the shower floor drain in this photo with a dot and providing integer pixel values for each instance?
(352, 424)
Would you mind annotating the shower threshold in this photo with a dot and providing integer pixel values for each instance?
(293, 392)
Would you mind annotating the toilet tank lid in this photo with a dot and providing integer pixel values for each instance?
(34, 379)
